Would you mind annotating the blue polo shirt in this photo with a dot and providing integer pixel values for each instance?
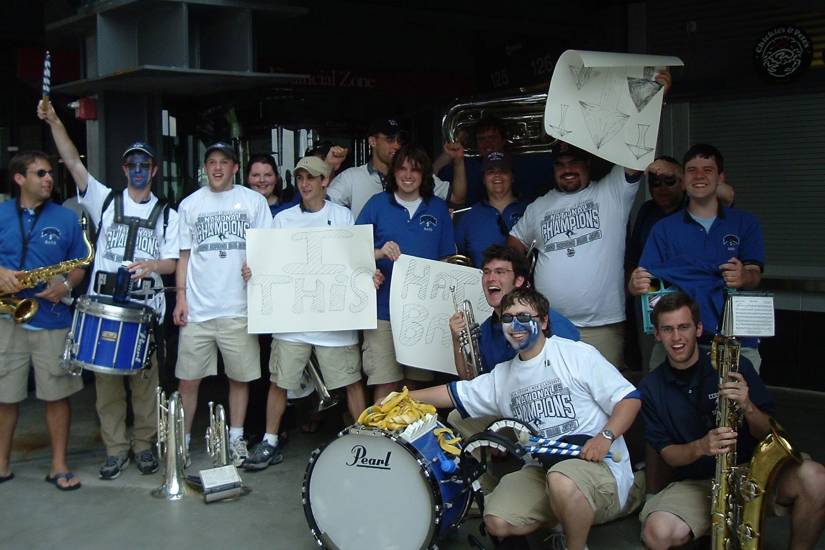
(679, 242)
(679, 411)
(533, 176)
(495, 348)
(483, 226)
(428, 234)
(54, 236)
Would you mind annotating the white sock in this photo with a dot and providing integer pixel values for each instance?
(235, 434)
(271, 439)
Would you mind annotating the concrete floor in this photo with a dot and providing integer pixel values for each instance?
(121, 513)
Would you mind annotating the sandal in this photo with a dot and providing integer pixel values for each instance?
(65, 476)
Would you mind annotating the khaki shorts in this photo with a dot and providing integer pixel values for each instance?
(689, 500)
(521, 498)
(380, 365)
(608, 339)
(340, 366)
(42, 348)
(198, 347)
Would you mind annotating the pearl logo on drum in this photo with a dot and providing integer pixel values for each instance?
(361, 460)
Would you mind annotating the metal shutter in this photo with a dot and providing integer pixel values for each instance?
(774, 151)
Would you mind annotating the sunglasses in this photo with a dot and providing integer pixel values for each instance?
(656, 180)
(42, 173)
(507, 318)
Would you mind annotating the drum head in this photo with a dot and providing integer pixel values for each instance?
(366, 491)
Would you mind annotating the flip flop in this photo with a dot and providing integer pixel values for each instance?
(65, 476)
(9, 477)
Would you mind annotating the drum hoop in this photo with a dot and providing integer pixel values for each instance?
(106, 370)
(435, 493)
(136, 314)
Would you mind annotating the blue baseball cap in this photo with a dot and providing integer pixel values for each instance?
(139, 147)
(224, 148)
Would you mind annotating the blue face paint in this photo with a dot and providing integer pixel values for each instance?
(531, 328)
(139, 167)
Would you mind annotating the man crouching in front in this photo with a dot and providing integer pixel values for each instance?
(559, 387)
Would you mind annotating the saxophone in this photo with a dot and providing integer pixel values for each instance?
(738, 506)
(23, 309)
(468, 338)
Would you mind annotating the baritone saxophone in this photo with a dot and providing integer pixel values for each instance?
(739, 504)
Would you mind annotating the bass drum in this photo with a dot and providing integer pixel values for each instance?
(369, 489)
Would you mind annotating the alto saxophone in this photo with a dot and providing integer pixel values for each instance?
(23, 310)
(468, 338)
(738, 509)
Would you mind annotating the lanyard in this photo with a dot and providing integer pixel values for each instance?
(23, 236)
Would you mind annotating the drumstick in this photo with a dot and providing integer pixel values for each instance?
(47, 77)
(460, 210)
(570, 450)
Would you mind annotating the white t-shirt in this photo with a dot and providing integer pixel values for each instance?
(581, 239)
(213, 228)
(355, 186)
(111, 245)
(330, 215)
(568, 388)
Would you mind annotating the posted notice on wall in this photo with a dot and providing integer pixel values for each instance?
(311, 279)
(421, 305)
(608, 104)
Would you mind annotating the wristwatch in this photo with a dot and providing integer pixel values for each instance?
(610, 436)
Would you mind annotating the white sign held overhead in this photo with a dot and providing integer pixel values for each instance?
(607, 104)
(311, 279)
(421, 305)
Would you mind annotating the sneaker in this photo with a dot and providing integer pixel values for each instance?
(146, 462)
(237, 452)
(113, 466)
(263, 454)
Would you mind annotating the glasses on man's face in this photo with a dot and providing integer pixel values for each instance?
(507, 318)
(499, 271)
(139, 165)
(43, 173)
(658, 180)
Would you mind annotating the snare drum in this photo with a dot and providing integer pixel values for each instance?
(108, 337)
(371, 489)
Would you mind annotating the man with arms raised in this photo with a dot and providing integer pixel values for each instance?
(678, 403)
(575, 493)
(132, 216)
(211, 294)
(355, 186)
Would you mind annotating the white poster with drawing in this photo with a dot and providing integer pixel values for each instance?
(311, 279)
(421, 305)
(608, 104)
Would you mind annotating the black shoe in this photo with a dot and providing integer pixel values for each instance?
(113, 466)
(146, 462)
(262, 456)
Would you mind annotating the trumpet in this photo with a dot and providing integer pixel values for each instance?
(171, 431)
(326, 400)
(217, 435)
(468, 338)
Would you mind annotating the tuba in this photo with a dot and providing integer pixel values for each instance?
(523, 117)
(738, 505)
(171, 445)
(468, 338)
(217, 435)
(23, 309)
